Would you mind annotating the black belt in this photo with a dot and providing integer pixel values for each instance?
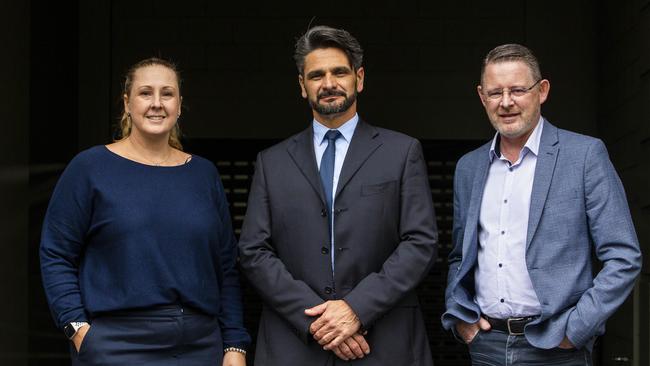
(512, 326)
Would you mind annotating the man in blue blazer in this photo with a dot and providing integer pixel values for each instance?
(530, 208)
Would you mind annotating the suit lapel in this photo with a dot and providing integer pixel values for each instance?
(470, 237)
(364, 143)
(548, 152)
(301, 151)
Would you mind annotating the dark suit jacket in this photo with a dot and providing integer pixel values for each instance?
(577, 206)
(385, 239)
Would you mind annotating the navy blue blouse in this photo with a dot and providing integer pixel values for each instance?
(121, 235)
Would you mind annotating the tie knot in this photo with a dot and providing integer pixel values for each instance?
(332, 135)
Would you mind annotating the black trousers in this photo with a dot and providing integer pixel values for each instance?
(163, 336)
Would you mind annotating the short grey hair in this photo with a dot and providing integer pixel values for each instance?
(512, 52)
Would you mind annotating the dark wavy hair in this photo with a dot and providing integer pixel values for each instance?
(324, 37)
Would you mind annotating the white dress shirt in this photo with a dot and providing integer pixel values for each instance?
(342, 144)
(503, 285)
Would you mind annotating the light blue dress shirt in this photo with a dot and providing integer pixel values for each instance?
(342, 144)
(503, 285)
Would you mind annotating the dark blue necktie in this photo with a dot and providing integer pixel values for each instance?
(327, 168)
(327, 178)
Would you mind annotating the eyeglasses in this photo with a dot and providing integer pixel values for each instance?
(517, 91)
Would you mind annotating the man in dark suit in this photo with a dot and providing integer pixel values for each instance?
(340, 227)
(530, 208)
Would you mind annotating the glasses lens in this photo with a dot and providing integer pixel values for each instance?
(495, 94)
(518, 92)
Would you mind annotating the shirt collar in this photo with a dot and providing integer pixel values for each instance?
(532, 144)
(346, 129)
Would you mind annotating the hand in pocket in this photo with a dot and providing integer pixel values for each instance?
(78, 338)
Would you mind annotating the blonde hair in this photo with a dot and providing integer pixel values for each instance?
(125, 125)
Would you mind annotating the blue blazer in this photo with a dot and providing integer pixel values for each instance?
(577, 205)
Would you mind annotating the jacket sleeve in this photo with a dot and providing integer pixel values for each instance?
(454, 259)
(62, 241)
(413, 257)
(616, 247)
(231, 315)
(266, 272)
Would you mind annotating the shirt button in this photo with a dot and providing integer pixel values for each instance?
(503, 232)
(505, 201)
(500, 265)
(328, 290)
(502, 300)
(510, 169)
(324, 250)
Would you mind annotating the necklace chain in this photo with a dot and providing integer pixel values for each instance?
(151, 162)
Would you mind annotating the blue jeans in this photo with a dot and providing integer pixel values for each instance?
(496, 348)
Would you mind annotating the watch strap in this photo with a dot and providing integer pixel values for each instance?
(71, 328)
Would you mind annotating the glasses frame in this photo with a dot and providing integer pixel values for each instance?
(497, 94)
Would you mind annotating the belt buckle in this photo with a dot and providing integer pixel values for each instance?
(510, 329)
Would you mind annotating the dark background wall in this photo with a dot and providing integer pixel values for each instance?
(623, 112)
(14, 198)
(65, 60)
(422, 56)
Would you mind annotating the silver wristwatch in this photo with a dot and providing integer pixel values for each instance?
(71, 329)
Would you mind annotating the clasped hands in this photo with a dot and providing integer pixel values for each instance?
(337, 329)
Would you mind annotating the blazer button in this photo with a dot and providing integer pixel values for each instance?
(323, 212)
(324, 250)
(328, 290)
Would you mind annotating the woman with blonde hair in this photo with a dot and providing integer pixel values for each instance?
(138, 254)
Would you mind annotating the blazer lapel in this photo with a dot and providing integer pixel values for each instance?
(470, 236)
(301, 151)
(364, 143)
(548, 152)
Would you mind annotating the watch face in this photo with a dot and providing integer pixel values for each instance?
(69, 330)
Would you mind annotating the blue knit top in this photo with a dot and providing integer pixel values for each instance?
(123, 235)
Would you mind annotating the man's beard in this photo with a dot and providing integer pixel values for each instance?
(333, 108)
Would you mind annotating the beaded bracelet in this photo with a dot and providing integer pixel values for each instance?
(235, 349)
